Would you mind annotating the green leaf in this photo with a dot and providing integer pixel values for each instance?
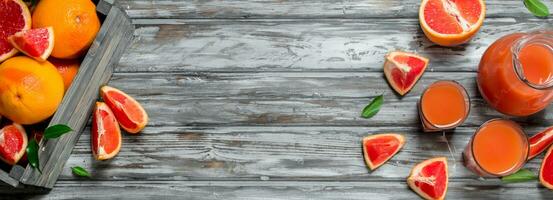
(373, 107)
(32, 154)
(79, 171)
(537, 8)
(56, 130)
(522, 175)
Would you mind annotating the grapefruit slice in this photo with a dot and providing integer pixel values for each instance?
(379, 148)
(106, 135)
(546, 170)
(429, 178)
(36, 43)
(14, 17)
(451, 22)
(403, 70)
(539, 142)
(129, 113)
(13, 142)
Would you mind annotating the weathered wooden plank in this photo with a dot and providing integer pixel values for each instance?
(275, 153)
(272, 190)
(288, 98)
(299, 9)
(74, 110)
(300, 45)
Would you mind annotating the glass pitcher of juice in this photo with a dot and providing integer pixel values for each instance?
(515, 75)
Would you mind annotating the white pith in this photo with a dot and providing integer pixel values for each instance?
(452, 10)
(415, 176)
(101, 131)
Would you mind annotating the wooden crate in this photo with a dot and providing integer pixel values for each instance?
(96, 68)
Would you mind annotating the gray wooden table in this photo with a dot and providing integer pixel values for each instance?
(261, 100)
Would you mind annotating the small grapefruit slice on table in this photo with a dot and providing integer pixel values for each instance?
(129, 113)
(14, 17)
(429, 178)
(403, 70)
(106, 135)
(13, 142)
(36, 43)
(539, 142)
(451, 22)
(379, 148)
(546, 170)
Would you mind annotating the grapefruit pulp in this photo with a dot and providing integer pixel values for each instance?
(379, 148)
(539, 142)
(451, 22)
(546, 170)
(13, 142)
(403, 70)
(129, 113)
(106, 135)
(429, 178)
(14, 17)
(36, 43)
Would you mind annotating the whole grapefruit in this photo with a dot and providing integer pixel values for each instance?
(75, 25)
(67, 68)
(30, 91)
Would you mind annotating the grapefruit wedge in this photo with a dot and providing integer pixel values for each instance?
(106, 135)
(379, 148)
(36, 43)
(14, 17)
(451, 22)
(429, 178)
(539, 142)
(546, 170)
(129, 113)
(403, 70)
(13, 142)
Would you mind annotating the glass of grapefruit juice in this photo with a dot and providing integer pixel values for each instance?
(443, 105)
(515, 75)
(498, 148)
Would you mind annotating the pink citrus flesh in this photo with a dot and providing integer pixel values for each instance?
(36, 43)
(14, 17)
(129, 113)
(13, 142)
(403, 70)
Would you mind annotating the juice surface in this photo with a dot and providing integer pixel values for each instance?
(499, 146)
(537, 63)
(502, 88)
(443, 104)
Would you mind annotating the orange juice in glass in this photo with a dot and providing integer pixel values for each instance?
(498, 148)
(443, 105)
(515, 75)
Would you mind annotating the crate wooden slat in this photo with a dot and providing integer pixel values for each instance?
(113, 38)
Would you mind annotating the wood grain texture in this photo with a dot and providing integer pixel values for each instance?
(299, 8)
(273, 190)
(289, 99)
(270, 153)
(300, 45)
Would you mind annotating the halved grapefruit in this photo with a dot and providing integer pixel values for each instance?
(429, 178)
(129, 113)
(403, 70)
(451, 22)
(13, 142)
(14, 17)
(36, 43)
(546, 170)
(379, 148)
(539, 142)
(106, 135)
